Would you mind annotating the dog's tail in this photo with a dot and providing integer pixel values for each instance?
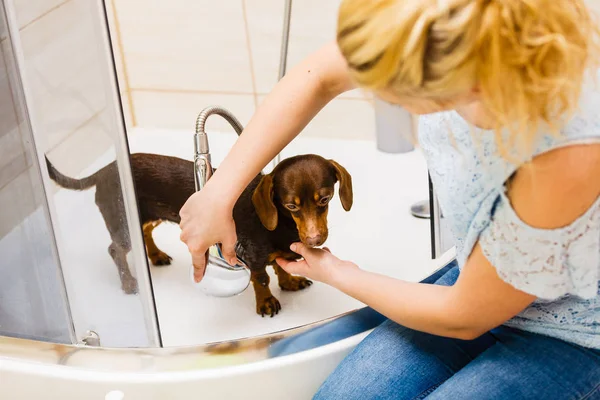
(68, 182)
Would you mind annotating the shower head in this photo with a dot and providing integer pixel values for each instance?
(220, 279)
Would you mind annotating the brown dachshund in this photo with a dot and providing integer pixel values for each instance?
(275, 210)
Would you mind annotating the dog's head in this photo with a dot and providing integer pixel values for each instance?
(301, 187)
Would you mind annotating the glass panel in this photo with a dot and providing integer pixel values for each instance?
(70, 87)
(32, 296)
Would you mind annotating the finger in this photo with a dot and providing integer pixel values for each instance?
(199, 266)
(183, 235)
(282, 262)
(228, 248)
(300, 248)
(293, 267)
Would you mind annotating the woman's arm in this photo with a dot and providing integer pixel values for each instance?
(292, 104)
(478, 301)
(206, 218)
(552, 192)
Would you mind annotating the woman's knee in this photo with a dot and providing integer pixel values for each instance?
(393, 360)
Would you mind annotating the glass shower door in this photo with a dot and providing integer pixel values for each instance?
(33, 301)
(61, 242)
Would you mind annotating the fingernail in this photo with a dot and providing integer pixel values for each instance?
(293, 247)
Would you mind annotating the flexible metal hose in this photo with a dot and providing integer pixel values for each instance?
(226, 114)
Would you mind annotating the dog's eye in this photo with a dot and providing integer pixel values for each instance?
(324, 200)
(292, 207)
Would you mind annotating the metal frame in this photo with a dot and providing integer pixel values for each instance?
(435, 223)
(285, 39)
(138, 252)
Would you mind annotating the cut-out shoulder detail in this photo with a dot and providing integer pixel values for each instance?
(546, 263)
(557, 187)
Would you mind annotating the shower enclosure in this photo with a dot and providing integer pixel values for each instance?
(61, 319)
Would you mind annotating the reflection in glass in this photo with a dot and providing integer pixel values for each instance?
(32, 296)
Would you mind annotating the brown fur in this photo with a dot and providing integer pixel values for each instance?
(265, 227)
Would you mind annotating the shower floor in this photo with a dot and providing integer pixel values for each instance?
(379, 234)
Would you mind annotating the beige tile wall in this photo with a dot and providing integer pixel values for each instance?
(181, 56)
(69, 105)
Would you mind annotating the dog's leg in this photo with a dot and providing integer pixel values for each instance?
(119, 255)
(156, 256)
(290, 282)
(266, 303)
(110, 203)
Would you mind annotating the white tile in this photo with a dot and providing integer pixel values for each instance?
(312, 25)
(16, 202)
(83, 146)
(29, 10)
(115, 37)
(185, 45)
(265, 22)
(64, 70)
(177, 110)
(127, 111)
(13, 160)
(343, 118)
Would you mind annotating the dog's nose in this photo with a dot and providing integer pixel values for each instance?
(314, 241)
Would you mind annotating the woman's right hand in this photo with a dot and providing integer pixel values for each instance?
(206, 220)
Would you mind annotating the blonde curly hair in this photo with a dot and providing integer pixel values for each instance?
(527, 58)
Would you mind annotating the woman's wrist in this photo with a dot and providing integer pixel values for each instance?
(342, 275)
(223, 194)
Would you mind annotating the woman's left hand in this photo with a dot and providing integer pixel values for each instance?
(318, 264)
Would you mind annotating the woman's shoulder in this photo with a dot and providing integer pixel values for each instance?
(543, 234)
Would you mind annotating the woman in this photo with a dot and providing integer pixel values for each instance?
(514, 153)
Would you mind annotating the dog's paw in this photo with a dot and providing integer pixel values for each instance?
(268, 306)
(160, 259)
(295, 283)
(130, 286)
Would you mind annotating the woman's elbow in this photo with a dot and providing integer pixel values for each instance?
(467, 333)
(465, 328)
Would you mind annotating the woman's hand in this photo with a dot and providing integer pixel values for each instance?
(206, 220)
(318, 264)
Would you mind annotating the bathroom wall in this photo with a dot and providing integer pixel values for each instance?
(68, 100)
(178, 57)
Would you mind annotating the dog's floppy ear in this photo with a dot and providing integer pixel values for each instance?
(262, 198)
(345, 180)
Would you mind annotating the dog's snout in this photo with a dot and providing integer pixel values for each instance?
(314, 241)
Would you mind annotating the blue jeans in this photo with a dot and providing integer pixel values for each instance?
(395, 362)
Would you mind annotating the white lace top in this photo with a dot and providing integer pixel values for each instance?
(559, 266)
